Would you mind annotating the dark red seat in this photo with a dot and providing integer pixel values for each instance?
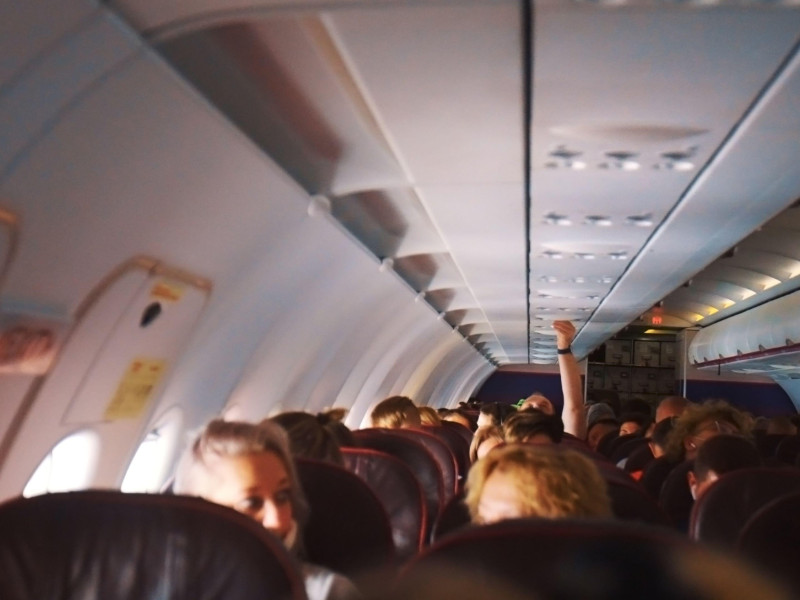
(676, 498)
(558, 558)
(103, 544)
(416, 456)
(655, 474)
(629, 500)
(459, 447)
(719, 515)
(455, 516)
(348, 529)
(398, 490)
(788, 450)
(771, 539)
(464, 432)
(443, 455)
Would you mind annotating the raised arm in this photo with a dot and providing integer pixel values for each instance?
(574, 416)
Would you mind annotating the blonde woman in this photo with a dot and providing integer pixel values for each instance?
(535, 481)
(248, 467)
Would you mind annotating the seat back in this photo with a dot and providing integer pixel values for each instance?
(719, 515)
(788, 450)
(629, 500)
(655, 474)
(459, 447)
(771, 539)
(676, 497)
(108, 545)
(455, 516)
(416, 456)
(556, 558)
(464, 432)
(440, 451)
(399, 491)
(348, 529)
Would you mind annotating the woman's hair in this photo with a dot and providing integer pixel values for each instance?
(309, 436)
(526, 423)
(224, 439)
(481, 435)
(498, 411)
(695, 415)
(553, 482)
(429, 416)
(395, 412)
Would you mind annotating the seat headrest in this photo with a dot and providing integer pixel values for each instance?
(110, 545)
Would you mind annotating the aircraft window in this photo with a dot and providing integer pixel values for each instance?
(149, 468)
(68, 466)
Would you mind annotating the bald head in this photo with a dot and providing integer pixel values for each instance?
(671, 406)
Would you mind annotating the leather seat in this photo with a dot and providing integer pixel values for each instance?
(592, 558)
(416, 456)
(719, 515)
(348, 529)
(440, 451)
(106, 545)
(771, 539)
(399, 491)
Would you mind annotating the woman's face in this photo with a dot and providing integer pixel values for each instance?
(256, 485)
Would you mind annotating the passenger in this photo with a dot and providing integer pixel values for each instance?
(720, 455)
(396, 412)
(456, 416)
(634, 423)
(495, 413)
(781, 426)
(599, 429)
(573, 414)
(333, 421)
(309, 437)
(533, 427)
(485, 438)
(701, 422)
(535, 481)
(248, 467)
(671, 406)
(655, 448)
(429, 416)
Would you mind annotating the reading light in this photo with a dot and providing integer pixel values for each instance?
(556, 219)
(622, 161)
(640, 220)
(598, 221)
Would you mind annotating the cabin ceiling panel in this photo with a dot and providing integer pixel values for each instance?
(635, 107)
(29, 28)
(445, 84)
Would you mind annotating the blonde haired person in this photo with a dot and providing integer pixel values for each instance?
(700, 422)
(248, 467)
(429, 416)
(396, 412)
(535, 481)
(485, 439)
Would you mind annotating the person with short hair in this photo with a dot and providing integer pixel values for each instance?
(248, 467)
(533, 427)
(719, 455)
(310, 436)
(522, 480)
(671, 406)
(396, 412)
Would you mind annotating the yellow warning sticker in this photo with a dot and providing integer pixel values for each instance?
(167, 291)
(135, 389)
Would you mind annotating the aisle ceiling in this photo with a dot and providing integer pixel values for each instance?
(519, 163)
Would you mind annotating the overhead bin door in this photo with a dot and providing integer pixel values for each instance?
(111, 370)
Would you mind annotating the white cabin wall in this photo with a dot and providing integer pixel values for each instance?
(121, 158)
